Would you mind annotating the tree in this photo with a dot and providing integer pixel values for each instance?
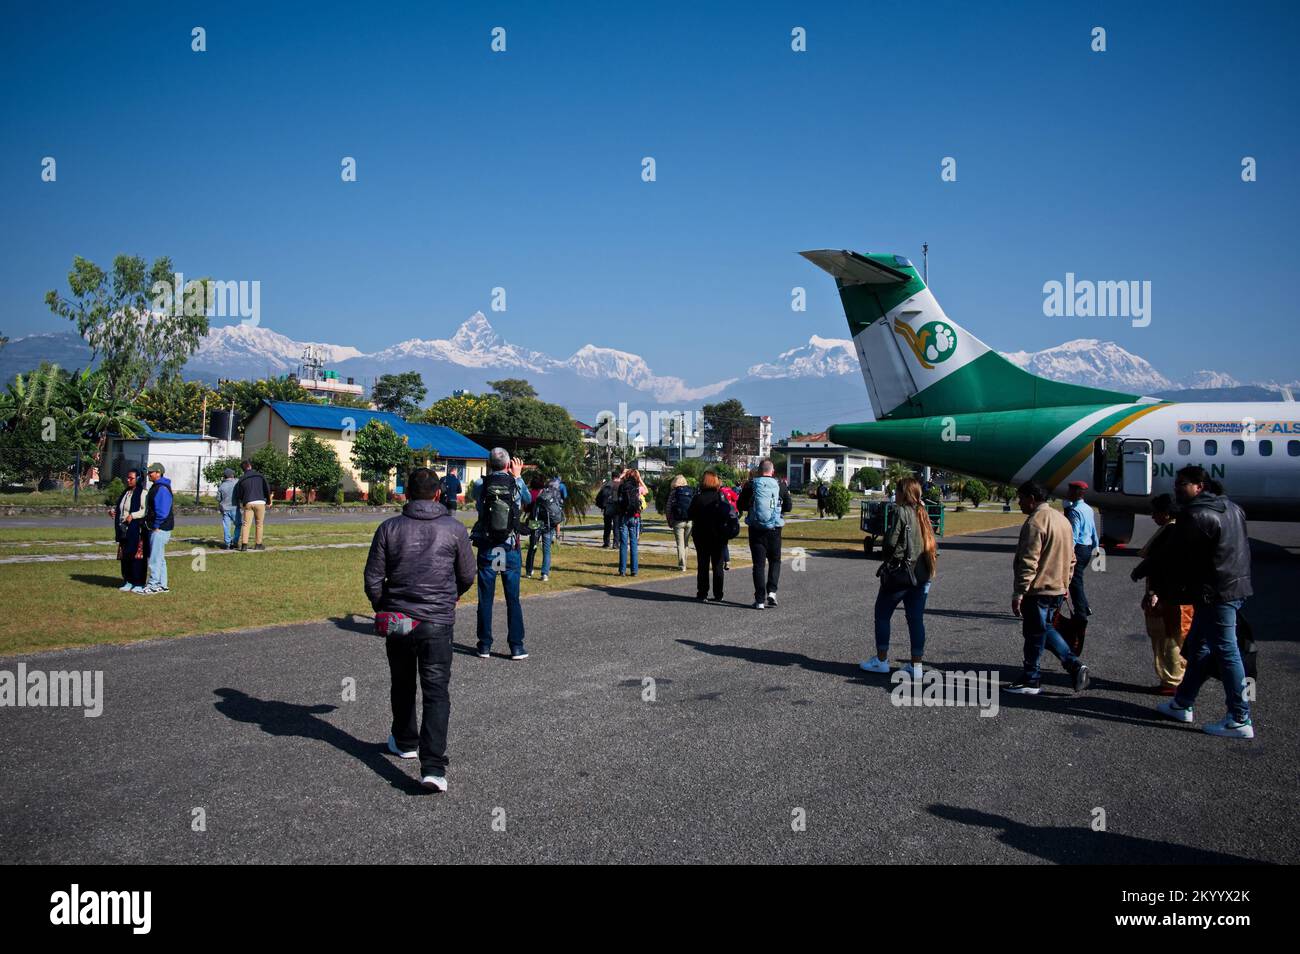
(399, 393)
(976, 492)
(214, 472)
(566, 462)
(838, 499)
(896, 471)
(172, 404)
(133, 340)
(526, 417)
(724, 426)
(513, 388)
(95, 412)
(376, 450)
(273, 464)
(247, 396)
(349, 400)
(464, 413)
(37, 448)
(313, 464)
(867, 478)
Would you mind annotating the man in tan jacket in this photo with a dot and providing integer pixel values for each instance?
(1042, 570)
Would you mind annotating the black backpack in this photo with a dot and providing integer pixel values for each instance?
(679, 503)
(551, 506)
(730, 520)
(629, 498)
(498, 520)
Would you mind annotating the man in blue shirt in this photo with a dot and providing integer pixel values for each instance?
(498, 548)
(1084, 527)
(451, 489)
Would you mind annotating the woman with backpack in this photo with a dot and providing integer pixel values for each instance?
(909, 557)
(630, 496)
(678, 509)
(712, 521)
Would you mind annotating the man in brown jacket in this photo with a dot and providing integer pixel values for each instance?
(1043, 567)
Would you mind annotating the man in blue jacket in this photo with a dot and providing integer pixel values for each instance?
(763, 500)
(159, 519)
(1083, 525)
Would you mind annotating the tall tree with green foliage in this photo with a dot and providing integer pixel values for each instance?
(525, 417)
(95, 412)
(399, 393)
(247, 396)
(512, 389)
(465, 413)
(376, 450)
(896, 471)
(173, 404)
(313, 465)
(273, 464)
(726, 432)
(133, 341)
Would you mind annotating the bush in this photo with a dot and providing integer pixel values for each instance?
(214, 472)
(933, 494)
(113, 492)
(976, 492)
(338, 497)
(867, 478)
(837, 501)
(378, 495)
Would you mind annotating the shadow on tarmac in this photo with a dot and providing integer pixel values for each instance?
(292, 719)
(1080, 845)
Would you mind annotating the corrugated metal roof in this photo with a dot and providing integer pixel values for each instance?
(327, 417)
(169, 435)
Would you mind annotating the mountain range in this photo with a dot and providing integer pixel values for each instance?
(807, 387)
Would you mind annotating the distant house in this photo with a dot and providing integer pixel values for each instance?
(183, 455)
(278, 422)
(810, 457)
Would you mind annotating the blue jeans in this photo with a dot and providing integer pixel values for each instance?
(546, 536)
(230, 524)
(629, 533)
(487, 588)
(1214, 636)
(157, 559)
(913, 599)
(1037, 613)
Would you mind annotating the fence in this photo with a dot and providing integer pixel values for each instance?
(185, 471)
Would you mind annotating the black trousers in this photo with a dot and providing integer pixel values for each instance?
(609, 527)
(1078, 595)
(425, 652)
(765, 550)
(708, 553)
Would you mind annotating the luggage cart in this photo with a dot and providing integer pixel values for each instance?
(879, 515)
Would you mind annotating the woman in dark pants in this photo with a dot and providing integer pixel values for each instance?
(128, 528)
(708, 514)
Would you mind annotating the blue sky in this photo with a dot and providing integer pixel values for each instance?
(522, 169)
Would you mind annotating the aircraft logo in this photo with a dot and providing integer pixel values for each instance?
(934, 343)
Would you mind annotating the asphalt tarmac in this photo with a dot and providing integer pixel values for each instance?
(759, 739)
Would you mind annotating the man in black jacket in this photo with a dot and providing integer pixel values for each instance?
(252, 497)
(1215, 553)
(419, 565)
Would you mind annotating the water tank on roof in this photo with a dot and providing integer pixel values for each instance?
(224, 425)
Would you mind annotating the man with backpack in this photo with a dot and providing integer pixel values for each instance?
(763, 500)
(545, 515)
(501, 497)
(607, 501)
(679, 516)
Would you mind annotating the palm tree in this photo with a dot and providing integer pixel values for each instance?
(30, 393)
(896, 471)
(94, 412)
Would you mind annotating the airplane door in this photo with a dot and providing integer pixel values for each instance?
(1135, 478)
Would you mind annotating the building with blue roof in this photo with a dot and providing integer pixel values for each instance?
(278, 422)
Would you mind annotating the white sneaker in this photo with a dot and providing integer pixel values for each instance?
(874, 665)
(1177, 713)
(137, 589)
(1229, 728)
(771, 599)
(760, 604)
(435, 783)
(913, 670)
(127, 587)
(546, 577)
(392, 747)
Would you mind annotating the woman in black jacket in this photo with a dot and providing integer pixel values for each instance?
(709, 513)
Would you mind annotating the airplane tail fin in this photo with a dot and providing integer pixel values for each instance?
(919, 363)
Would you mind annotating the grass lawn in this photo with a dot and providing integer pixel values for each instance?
(241, 591)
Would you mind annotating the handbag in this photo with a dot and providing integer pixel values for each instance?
(394, 624)
(896, 573)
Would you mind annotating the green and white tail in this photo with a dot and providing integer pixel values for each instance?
(919, 363)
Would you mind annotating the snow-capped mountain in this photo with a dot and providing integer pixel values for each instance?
(1095, 363)
(237, 345)
(590, 361)
(474, 345)
(1204, 380)
(819, 358)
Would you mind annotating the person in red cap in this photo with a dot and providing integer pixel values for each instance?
(1083, 524)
